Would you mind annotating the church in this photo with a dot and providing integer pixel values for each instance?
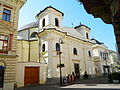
(48, 51)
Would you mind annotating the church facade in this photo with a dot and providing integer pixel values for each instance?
(50, 50)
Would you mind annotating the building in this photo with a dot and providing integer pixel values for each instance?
(9, 10)
(48, 43)
(114, 61)
(101, 58)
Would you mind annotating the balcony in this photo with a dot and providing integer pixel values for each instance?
(11, 24)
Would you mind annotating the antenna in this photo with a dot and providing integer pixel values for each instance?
(80, 23)
(72, 25)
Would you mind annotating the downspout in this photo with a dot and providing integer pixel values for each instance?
(28, 45)
(39, 49)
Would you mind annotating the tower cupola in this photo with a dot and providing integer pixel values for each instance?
(49, 16)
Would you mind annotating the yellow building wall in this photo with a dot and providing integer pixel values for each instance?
(7, 28)
(23, 51)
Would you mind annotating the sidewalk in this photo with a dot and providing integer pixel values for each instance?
(95, 80)
(97, 83)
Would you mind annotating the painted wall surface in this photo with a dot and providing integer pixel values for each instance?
(20, 72)
(67, 56)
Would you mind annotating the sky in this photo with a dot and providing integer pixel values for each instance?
(73, 13)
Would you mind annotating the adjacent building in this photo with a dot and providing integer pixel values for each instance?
(9, 12)
(101, 58)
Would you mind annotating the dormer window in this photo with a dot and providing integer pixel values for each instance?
(6, 15)
(56, 22)
(87, 36)
(33, 35)
(43, 22)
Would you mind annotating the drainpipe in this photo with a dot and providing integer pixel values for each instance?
(29, 45)
(39, 49)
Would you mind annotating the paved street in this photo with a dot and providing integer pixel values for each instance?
(100, 83)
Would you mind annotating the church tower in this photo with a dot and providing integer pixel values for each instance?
(84, 30)
(50, 16)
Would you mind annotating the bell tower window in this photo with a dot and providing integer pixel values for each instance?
(43, 22)
(87, 36)
(56, 22)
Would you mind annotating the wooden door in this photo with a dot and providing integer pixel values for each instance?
(77, 72)
(31, 75)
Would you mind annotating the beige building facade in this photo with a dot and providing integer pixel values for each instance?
(9, 12)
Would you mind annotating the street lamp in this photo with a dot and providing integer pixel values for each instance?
(59, 53)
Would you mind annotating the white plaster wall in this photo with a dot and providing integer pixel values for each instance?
(83, 30)
(24, 33)
(49, 16)
(41, 20)
(67, 56)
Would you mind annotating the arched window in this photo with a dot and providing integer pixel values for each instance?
(56, 22)
(89, 53)
(43, 22)
(74, 51)
(33, 34)
(87, 36)
(57, 47)
(43, 48)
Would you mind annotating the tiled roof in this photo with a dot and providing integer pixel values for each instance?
(97, 42)
(82, 25)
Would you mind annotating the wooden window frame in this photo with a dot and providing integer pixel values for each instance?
(4, 48)
(7, 14)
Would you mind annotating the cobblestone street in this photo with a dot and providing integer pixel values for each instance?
(99, 83)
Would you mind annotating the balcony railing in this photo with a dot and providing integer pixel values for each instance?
(11, 24)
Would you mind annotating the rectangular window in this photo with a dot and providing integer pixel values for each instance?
(4, 42)
(6, 15)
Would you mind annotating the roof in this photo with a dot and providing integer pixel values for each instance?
(52, 8)
(81, 26)
(73, 32)
(30, 25)
(97, 42)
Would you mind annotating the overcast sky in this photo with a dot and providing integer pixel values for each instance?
(73, 13)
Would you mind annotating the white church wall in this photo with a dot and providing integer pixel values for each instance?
(24, 33)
